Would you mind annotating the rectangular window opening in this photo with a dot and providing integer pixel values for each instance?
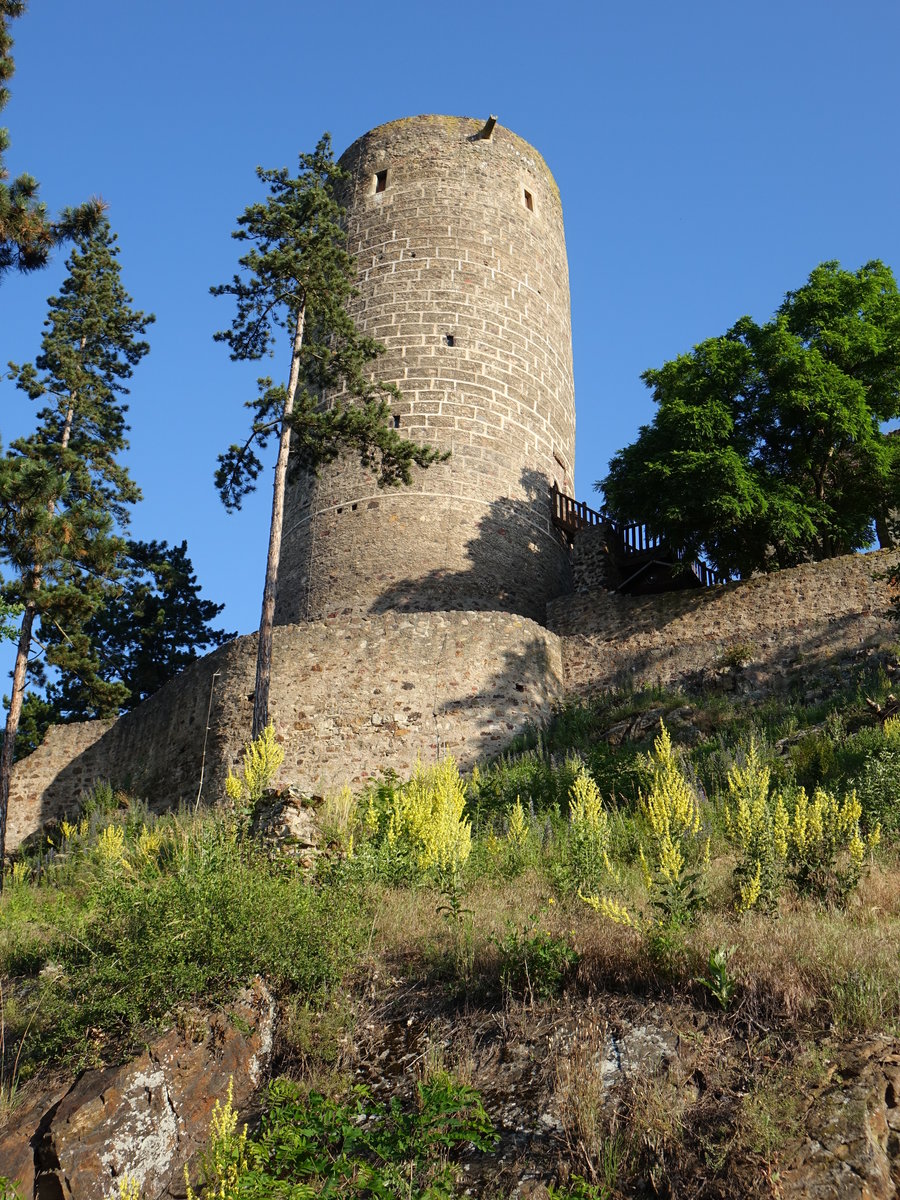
(380, 180)
(529, 200)
(449, 339)
(396, 420)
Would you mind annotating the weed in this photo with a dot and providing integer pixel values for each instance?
(261, 761)
(737, 656)
(588, 833)
(357, 1148)
(223, 1164)
(533, 961)
(719, 981)
(126, 947)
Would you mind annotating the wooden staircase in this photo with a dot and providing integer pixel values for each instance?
(643, 564)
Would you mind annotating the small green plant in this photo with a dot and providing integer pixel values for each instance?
(315, 1145)
(459, 924)
(533, 961)
(737, 656)
(578, 1188)
(9, 1189)
(719, 981)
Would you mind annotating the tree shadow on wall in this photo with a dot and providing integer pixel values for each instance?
(499, 576)
(801, 659)
(522, 693)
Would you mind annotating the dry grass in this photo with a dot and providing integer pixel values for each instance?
(811, 964)
(589, 1127)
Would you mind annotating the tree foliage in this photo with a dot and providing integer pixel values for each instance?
(27, 235)
(767, 446)
(151, 626)
(298, 264)
(64, 495)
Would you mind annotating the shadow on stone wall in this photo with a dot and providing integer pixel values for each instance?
(155, 752)
(522, 693)
(803, 658)
(495, 581)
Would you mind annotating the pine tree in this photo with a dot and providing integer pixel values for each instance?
(26, 234)
(296, 280)
(63, 493)
(148, 629)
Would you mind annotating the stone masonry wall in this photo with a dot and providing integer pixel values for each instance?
(349, 699)
(784, 623)
(463, 277)
(592, 566)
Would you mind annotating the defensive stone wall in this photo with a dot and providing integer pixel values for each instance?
(349, 699)
(463, 277)
(781, 624)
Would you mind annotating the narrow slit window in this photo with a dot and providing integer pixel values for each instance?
(396, 420)
(380, 180)
(529, 200)
(450, 339)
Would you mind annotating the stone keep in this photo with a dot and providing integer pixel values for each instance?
(458, 234)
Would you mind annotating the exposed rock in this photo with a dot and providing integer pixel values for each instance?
(287, 820)
(851, 1150)
(646, 724)
(146, 1119)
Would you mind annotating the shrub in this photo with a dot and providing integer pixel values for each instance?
(816, 844)
(124, 946)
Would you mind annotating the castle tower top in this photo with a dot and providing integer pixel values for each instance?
(456, 225)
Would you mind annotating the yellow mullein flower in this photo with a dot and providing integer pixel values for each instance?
(750, 891)
(780, 827)
(517, 833)
(111, 845)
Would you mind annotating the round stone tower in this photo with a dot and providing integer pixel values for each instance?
(457, 229)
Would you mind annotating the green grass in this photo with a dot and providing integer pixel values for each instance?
(97, 950)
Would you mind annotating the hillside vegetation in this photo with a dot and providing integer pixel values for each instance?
(726, 873)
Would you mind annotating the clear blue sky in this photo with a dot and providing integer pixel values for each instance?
(708, 154)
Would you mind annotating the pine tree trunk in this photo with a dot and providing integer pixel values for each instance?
(267, 618)
(12, 723)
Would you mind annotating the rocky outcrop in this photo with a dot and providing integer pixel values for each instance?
(146, 1119)
(851, 1150)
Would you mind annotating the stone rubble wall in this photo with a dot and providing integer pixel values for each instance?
(592, 566)
(783, 623)
(350, 698)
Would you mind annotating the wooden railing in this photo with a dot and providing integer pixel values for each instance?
(571, 515)
(632, 539)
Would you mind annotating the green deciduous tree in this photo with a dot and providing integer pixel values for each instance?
(63, 493)
(295, 282)
(767, 448)
(27, 235)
